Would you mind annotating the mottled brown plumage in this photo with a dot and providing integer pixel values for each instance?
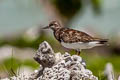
(70, 36)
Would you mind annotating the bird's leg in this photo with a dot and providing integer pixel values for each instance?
(78, 51)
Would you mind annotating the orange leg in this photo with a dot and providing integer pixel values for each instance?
(78, 52)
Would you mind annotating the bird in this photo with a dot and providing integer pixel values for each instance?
(74, 39)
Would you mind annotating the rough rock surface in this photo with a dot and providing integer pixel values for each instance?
(57, 66)
(61, 67)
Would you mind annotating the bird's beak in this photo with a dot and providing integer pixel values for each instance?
(47, 27)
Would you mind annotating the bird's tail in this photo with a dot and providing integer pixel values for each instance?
(103, 41)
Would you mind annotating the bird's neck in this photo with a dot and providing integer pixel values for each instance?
(56, 29)
(56, 33)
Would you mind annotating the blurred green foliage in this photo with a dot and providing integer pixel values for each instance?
(96, 63)
(96, 6)
(13, 65)
(21, 42)
(68, 8)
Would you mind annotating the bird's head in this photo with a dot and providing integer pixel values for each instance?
(54, 25)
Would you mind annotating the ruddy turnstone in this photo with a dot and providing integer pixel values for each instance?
(74, 39)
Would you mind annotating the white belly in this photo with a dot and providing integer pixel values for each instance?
(80, 45)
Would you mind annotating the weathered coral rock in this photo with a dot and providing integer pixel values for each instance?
(45, 55)
(57, 66)
(61, 67)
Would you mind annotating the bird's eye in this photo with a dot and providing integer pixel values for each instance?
(51, 25)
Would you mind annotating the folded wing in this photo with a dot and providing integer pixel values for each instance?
(71, 36)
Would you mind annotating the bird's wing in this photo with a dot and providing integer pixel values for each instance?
(70, 36)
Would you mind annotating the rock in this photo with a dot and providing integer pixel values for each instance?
(109, 72)
(45, 55)
(61, 67)
(57, 66)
